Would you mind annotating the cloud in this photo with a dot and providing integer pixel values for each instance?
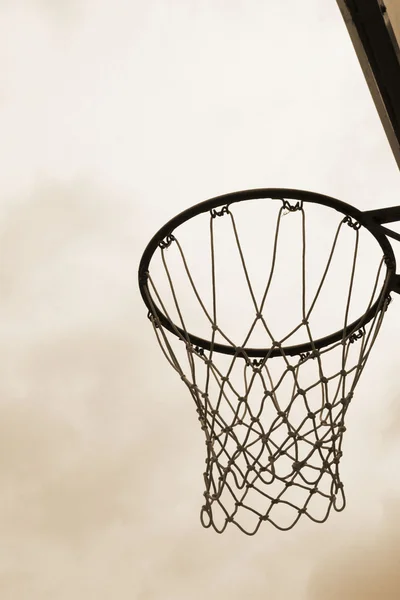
(61, 247)
(70, 448)
(365, 566)
(54, 482)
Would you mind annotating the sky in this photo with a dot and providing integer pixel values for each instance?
(115, 116)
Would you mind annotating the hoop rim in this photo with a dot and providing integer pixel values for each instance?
(363, 218)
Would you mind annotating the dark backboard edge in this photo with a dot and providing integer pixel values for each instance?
(379, 56)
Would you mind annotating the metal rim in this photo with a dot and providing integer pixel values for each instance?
(268, 194)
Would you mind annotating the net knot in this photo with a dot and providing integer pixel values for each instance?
(337, 458)
(227, 429)
(298, 464)
(346, 401)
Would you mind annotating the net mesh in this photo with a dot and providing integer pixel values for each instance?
(273, 425)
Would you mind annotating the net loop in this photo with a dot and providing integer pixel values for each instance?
(351, 223)
(219, 213)
(164, 244)
(292, 207)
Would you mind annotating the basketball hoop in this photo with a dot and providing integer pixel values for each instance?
(273, 414)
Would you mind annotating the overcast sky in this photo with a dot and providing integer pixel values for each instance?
(115, 116)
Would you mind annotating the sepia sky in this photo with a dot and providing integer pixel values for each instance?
(115, 116)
